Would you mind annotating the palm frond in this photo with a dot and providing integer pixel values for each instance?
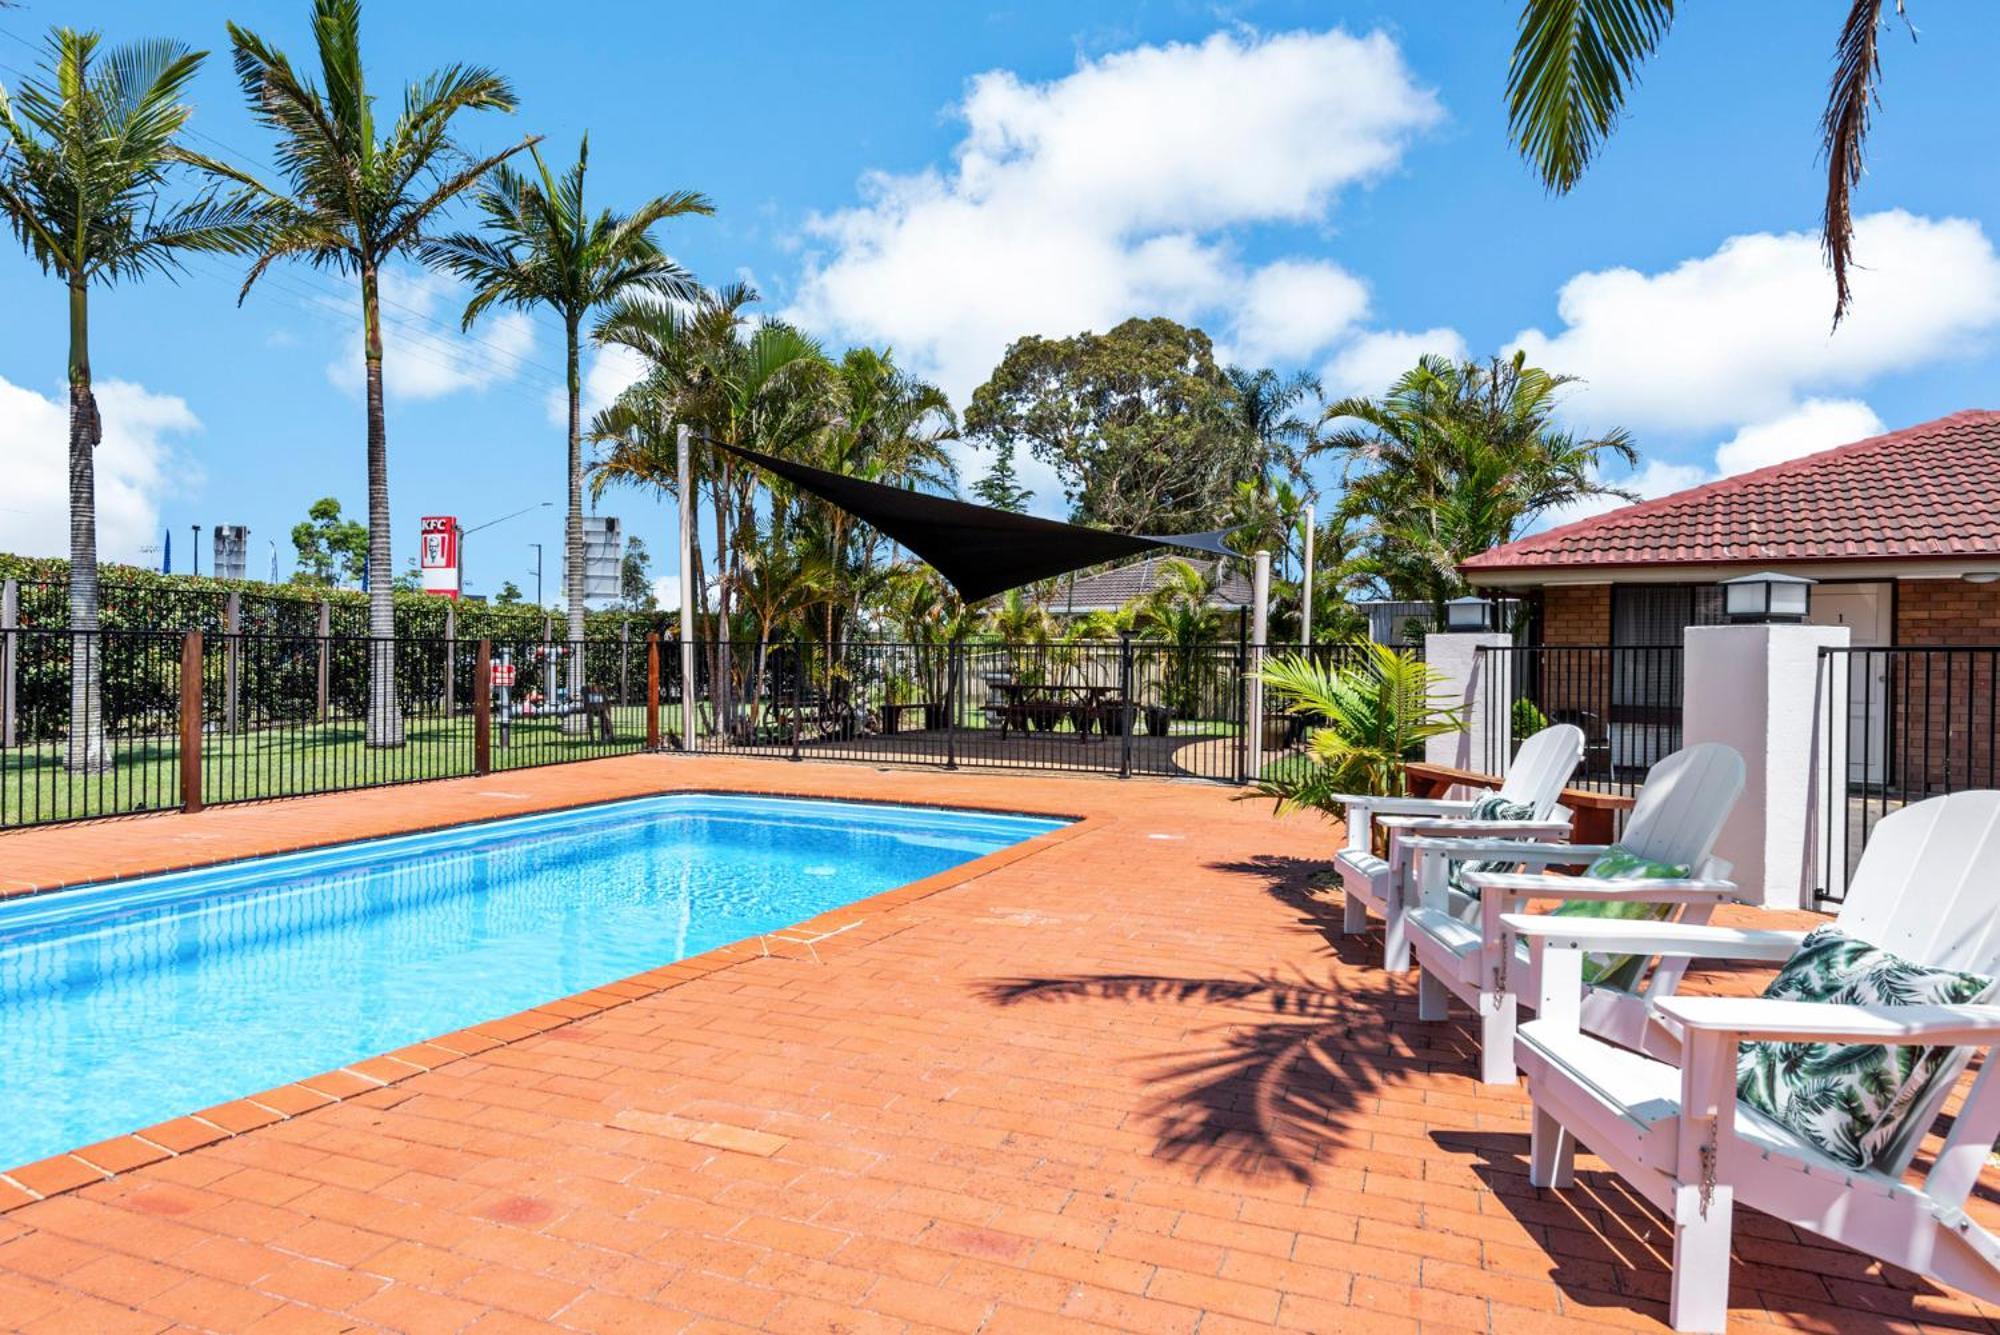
(1573, 63)
(1844, 131)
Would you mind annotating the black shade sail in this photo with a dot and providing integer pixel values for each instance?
(979, 550)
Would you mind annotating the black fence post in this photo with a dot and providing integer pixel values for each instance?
(951, 659)
(798, 681)
(1125, 704)
(1243, 697)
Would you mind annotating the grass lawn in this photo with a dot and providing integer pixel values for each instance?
(287, 761)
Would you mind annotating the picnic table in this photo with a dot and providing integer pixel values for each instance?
(1040, 707)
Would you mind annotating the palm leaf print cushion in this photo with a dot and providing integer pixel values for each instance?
(1494, 808)
(1620, 864)
(1850, 1099)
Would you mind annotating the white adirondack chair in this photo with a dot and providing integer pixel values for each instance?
(1928, 889)
(1372, 884)
(1466, 950)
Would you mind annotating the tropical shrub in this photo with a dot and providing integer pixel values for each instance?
(1373, 716)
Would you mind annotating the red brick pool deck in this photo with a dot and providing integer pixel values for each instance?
(1127, 1079)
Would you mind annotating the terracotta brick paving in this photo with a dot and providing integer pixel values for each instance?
(1131, 1080)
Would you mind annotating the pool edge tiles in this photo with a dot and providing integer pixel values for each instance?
(373, 1079)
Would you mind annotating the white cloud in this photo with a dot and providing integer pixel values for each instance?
(1114, 192)
(423, 354)
(611, 372)
(136, 467)
(1740, 335)
(1371, 363)
(1815, 425)
(1291, 309)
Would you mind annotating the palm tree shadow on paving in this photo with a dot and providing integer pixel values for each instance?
(1274, 1092)
(1609, 1248)
(1289, 880)
(1278, 1092)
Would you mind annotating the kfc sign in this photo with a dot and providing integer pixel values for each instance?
(437, 555)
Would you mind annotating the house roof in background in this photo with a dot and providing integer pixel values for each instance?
(1928, 492)
(1109, 590)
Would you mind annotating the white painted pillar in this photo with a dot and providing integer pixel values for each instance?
(1480, 687)
(1757, 688)
(1260, 627)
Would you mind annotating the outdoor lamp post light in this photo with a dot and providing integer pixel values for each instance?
(1766, 598)
(1467, 614)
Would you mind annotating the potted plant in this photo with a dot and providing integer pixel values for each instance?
(899, 693)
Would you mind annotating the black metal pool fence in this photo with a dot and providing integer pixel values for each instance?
(117, 722)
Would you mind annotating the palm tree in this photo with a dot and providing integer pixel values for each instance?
(1458, 457)
(353, 201)
(84, 155)
(543, 247)
(1265, 408)
(1575, 60)
(1373, 718)
(764, 392)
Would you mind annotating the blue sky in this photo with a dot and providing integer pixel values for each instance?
(1324, 186)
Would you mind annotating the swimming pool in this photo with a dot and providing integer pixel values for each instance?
(126, 1004)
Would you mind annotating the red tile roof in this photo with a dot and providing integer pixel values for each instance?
(1929, 492)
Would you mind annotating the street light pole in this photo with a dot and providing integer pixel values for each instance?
(197, 547)
(538, 572)
(461, 533)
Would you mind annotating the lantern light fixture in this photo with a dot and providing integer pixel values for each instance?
(1767, 598)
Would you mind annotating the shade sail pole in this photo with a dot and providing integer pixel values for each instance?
(1306, 582)
(684, 472)
(1260, 625)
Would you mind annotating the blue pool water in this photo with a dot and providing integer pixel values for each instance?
(123, 1005)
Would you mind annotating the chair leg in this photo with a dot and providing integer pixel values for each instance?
(1497, 1012)
(1395, 941)
(1433, 1001)
(1700, 1296)
(1353, 915)
(1551, 1153)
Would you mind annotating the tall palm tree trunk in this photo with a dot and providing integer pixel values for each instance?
(385, 720)
(86, 749)
(573, 584)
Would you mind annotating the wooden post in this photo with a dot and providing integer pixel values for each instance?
(232, 649)
(450, 660)
(10, 619)
(652, 692)
(482, 708)
(325, 651)
(191, 721)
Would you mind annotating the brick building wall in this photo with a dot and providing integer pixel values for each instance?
(1576, 614)
(1574, 687)
(1946, 712)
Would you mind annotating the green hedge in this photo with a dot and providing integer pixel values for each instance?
(135, 598)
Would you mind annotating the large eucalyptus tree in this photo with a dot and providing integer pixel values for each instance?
(357, 195)
(542, 246)
(85, 153)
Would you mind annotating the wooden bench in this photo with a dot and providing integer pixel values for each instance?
(1595, 818)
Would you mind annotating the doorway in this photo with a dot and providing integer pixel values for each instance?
(1869, 613)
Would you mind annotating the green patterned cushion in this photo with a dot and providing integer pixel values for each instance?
(1850, 1099)
(1620, 864)
(1495, 807)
